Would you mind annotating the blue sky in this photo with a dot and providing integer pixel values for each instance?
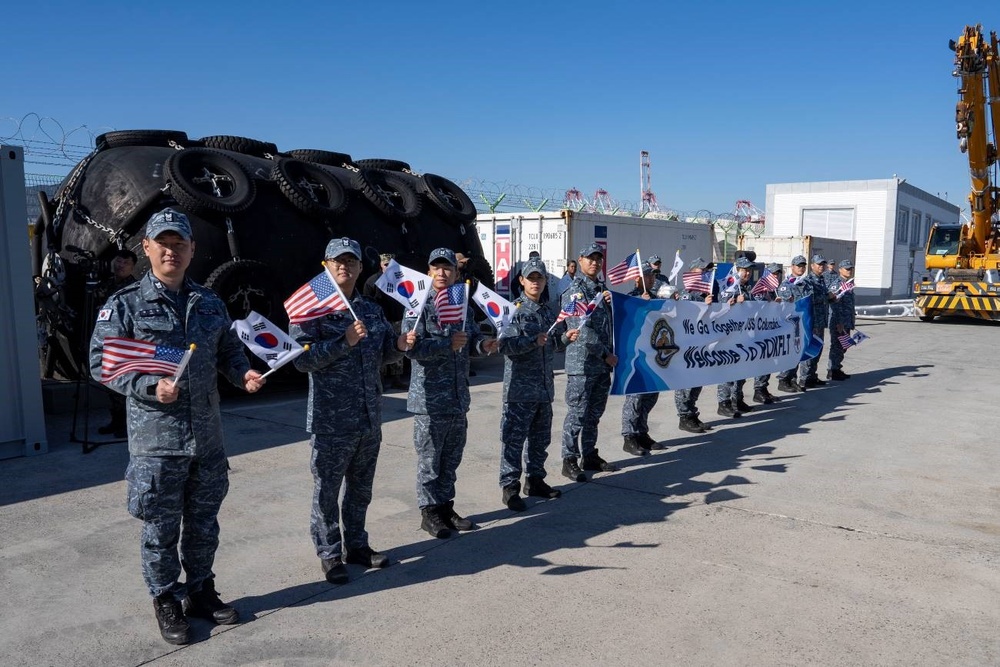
(726, 96)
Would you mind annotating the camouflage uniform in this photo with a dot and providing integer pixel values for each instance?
(528, 391)
(761, 381)
(732, 392)
(116, 400)
(686, 400)
(439, 400)
(821, 317)
(791, 290)
(344, 416)
(842, 315)
(588, 376)
(636, 407)
(177, 471)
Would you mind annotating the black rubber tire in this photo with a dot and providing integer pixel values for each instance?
(379, 163)
(121, 138)
(448, 197)
(321, 157)
(240, 145)
(245, 285)
(310, 188)
(481, 270)
(195, 173)
(927, 318)
(388, 192)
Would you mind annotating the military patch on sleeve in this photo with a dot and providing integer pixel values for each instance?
(104, 315)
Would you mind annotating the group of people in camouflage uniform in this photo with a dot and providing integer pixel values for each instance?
(177, 474)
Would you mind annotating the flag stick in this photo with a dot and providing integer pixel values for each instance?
(286, 360)
(344, 296)
(638, 260)
(184, 362)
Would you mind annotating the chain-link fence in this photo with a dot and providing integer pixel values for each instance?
(35, 183)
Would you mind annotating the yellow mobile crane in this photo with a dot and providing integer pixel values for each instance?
(964, 261)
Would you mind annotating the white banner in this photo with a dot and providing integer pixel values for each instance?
(673, 344)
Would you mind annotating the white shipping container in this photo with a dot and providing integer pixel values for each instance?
(781, 249)
(558, 236)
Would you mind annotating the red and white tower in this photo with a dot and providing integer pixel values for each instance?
(648, 200)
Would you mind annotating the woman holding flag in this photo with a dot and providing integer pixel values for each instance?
(348, 339)
(444, 334)
(177, 472)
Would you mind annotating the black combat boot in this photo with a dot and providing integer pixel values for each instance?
(206, 604)
(512, 499)
(334, 570)
(813, 381)
(366, 556)
(836, 375)
(763, 396)
(572, 471)
(647, 443)
(432, 521)
(742, 405)
(453, 520)
(632, 446)
(690, 424)
(726, 409)
(788, 386)
(593, 461)
(170, 617)
(536, 486)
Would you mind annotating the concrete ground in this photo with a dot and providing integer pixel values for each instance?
(855, 524)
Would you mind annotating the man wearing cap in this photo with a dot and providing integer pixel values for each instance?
(589, 360)
(795, 287)
(636, 407)
(841, 322)
(686, 400)
(177, 473)
(344, 413)
(655, 262)
(392, 373)
(439, 398)
(761, 394)
(730, 394)
(821, 299)
(528, 389)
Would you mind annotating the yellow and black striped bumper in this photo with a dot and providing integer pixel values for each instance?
(981, 307)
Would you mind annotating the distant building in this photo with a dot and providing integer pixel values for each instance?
(889, 218)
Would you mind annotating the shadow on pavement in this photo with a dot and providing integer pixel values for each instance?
(646, 490)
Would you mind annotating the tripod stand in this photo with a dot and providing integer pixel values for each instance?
(84, 382)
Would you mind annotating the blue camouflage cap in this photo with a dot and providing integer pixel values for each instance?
(699, 263)
(168, 220)
(846, 264)
(744, 263)
(655, 259)
(534, 265)
(647, 267)
(799, 260)
(442, 254)
(338, 247)
(774, 267)
(818, 259)
(591, 249)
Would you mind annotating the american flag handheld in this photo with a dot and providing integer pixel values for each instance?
(127, 355)
(451, 304)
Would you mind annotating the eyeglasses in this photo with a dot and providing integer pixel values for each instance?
(348, 261)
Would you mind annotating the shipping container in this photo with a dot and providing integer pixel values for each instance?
(558, 236)
(781, 249)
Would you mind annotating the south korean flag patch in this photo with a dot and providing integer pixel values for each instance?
(104, 315)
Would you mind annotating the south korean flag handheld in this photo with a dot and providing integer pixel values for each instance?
(408, 287)
(498, 309)
(267, 341)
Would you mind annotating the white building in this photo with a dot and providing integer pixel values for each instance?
(890, 220)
